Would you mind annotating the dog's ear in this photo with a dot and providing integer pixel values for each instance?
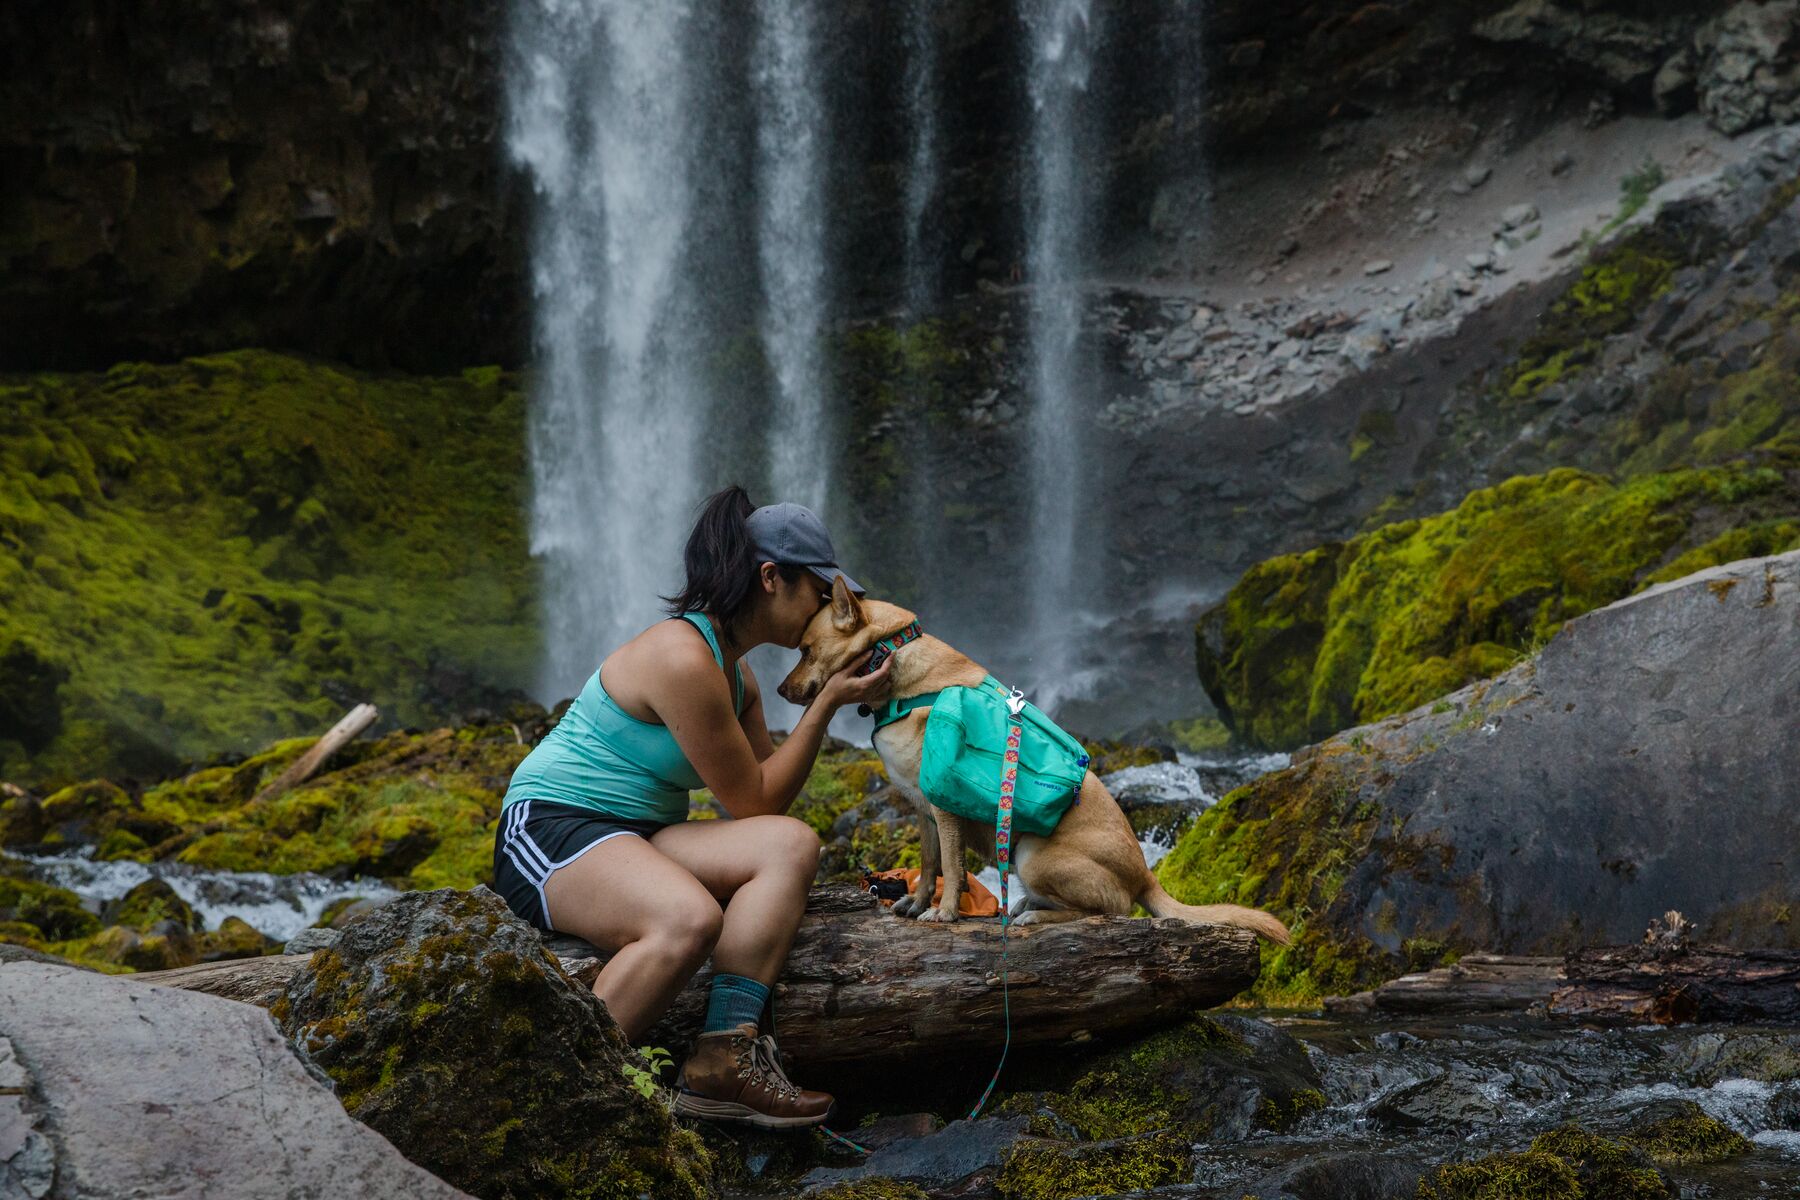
(847, 614)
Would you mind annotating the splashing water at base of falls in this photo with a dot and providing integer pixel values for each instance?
(277, 906)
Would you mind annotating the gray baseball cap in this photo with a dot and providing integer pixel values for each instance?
(793, 535)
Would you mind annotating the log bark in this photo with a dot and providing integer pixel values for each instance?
(301, 769)
(1691, 983)
(862, 986)
(1474, 983)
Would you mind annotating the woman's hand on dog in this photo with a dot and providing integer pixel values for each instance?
(847, 687)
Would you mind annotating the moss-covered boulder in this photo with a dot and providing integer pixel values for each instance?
(152, 906)
(1217, 1078)
(1063, 1171)
(1308, 644)
(40, 912)
(202, 556)
(1641, 761)
(1565, 1164)
(449, 1029)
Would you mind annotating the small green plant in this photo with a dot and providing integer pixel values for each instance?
(645, 1078)
(1635, 189)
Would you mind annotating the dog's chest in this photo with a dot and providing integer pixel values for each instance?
(899, 753)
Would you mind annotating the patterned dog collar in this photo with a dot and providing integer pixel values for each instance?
(885, 648)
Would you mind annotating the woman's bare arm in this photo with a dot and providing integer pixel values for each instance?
(696, 706)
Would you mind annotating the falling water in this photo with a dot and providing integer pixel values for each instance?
(791, 226)
(603, 117)
(1056, 212)
(922, 273)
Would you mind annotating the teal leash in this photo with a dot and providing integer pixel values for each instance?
(1009, 777)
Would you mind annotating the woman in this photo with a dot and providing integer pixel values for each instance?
(594, 838)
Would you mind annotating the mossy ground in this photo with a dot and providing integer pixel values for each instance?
(415, 809)
(1049, 1171)
(1310, 643)
(199, 557)
(1568, 1163)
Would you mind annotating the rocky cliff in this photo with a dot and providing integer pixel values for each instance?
(332, 178)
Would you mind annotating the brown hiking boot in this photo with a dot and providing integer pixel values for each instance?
(733, 1075)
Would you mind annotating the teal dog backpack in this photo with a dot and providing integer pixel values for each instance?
(966, 756)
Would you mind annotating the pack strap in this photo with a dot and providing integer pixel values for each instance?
(889, 711)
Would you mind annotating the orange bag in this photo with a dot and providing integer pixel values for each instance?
(975, 901)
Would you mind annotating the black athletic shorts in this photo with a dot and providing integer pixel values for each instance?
(536, 837)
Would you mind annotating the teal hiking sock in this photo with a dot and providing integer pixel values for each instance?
(734, 1001)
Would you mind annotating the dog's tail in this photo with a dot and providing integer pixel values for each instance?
(1161, 904)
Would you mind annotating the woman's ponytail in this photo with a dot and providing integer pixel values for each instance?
(720, 560)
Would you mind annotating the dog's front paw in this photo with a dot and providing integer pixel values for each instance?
(1031, 916)
(905, 906)
(938, 915)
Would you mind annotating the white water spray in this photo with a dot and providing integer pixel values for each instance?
(603, 116)
(1056, 208)
(790, 139)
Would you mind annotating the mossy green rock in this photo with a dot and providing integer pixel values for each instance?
(33, 912)
(1642, 761)
(1568, 1163)
(1053, 1171)
(150, 905)
(450, 1030)
(1311, 643)
(1216, 1078)
(203, 556)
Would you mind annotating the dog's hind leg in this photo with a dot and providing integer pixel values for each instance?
(1070, 884)
(950, 866)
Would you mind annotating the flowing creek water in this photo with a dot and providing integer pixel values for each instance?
(278, 906)
(1406, 1094)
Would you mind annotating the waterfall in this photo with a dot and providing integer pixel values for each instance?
(1056, 224)
(604, 117)
(790, 138)
(922, 246)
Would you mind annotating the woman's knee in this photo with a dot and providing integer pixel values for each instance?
(692, 926)
(795, 845)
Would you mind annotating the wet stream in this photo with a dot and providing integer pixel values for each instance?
(1405, 1095)
(278, 906)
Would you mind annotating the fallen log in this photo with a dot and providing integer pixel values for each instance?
(1650, 982)
(866, 987)
(336, 738)
(1474, 983)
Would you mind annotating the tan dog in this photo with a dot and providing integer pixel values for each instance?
(1091, 864)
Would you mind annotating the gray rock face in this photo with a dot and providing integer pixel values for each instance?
(1747, 74)
(149, 1091)
(1645, 761)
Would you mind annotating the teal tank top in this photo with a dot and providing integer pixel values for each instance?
(601, 757)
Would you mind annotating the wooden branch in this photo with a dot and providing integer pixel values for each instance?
(253, 980)
(1474, 983)
(1693, 983)
(302, 768)
(863, 986)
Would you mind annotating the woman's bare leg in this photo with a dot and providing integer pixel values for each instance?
(759, 868)
(626, 896)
